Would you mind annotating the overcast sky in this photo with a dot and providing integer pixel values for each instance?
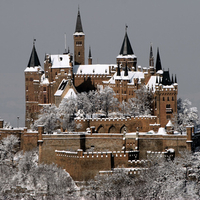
(173, 26)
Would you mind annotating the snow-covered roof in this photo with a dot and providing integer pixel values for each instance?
(131, 76)
(159, 72)
(92, 69)
(60, 61)
(70, 94)
(169, 124)
(151, 83)
(79, 33)
(34, 69)
(127, 56)
(162, 131)
(61, 88)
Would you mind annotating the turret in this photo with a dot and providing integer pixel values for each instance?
(79, 42)
(151, 60)
(126, 54)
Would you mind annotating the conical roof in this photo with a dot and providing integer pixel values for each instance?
(126, 48)
(158, 61)
(79, 27)
(34, 60)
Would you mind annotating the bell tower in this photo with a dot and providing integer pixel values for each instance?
(79, 42)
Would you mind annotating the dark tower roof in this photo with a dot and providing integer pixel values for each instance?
(126, 48)
(151, 52)
(79, 27)
(34, 60)
(158, 61)
(166, 78)
(90, 55)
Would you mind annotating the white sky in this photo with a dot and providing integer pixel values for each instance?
(173, 26)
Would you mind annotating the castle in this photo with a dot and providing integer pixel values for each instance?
(65, 75)
(109, 142)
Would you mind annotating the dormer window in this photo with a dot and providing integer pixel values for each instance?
(61, 58)
(93, 71)
(106, 71)
(81, 71)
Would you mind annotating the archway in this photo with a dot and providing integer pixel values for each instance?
(100, 129)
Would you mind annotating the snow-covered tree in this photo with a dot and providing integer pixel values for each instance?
(67, 110)
(186, 115)
(107, 100)
(83, 103)
(93, 98)
(142, 103)
(49, 117)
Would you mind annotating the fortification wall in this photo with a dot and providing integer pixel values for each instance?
(159, 143)
(116, 125)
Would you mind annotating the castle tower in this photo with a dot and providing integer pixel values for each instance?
(126, 54)
(33, 73)
(90, 57)
(79, 42)
(165, 95)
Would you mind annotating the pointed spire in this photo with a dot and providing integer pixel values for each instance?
(151, 58)
(126, 48)
(158, 61)
(118, 70)
(175, 79)
(90, 55)
(151, 52)
(79, 27)
(34, 60)
(172, 79)
(126, 70)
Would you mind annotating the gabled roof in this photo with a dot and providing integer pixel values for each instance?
(79, 27)
(126, 48)
(158, 61)
(34, 60)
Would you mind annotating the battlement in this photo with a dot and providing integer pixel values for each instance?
(116, 119)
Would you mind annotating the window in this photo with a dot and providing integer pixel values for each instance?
(45, 99)
(79, 53)
(105, 70)
(26, 98)
(163, 98)
(172, 98)
(168, 106)
(26, 79)
(167, 98)
(26, 87)
(31, 79)
(78, 43)
(44, 89)
(168, 117)
(56, 73)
